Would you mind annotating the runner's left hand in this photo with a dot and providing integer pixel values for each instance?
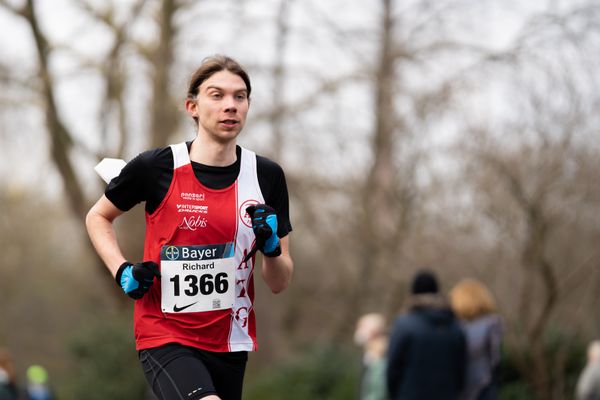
(264, 225)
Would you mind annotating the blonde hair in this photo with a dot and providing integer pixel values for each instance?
(471, 299)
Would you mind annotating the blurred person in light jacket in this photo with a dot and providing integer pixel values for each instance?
(371, 336)
(588, 385)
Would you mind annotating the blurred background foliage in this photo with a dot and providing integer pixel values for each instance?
(461, 136)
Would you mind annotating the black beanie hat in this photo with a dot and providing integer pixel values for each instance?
(424, 282)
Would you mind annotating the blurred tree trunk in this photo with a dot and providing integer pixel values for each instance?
(61, 139)
(536, 262)
(279, 76)
(378, 207)
(537, 269)
(163, 116)
(163, 111)
(378, 200)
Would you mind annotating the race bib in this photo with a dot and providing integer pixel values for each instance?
(197, 278)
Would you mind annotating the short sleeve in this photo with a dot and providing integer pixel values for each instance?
(146, 178)
(271, 179)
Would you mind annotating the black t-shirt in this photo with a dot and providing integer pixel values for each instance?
(148, 177)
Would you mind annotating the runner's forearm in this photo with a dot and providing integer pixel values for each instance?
(277, 271)
(99, 224)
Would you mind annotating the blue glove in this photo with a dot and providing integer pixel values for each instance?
(264, 225)
(136, 279)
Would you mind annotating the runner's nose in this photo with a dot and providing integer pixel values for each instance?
(230, 106)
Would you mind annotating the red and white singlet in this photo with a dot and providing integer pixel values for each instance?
(196, 220)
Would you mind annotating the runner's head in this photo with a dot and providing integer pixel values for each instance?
(210, 66)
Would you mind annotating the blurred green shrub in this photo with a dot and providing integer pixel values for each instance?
(566, 352)
(324, 372)
(105, 362)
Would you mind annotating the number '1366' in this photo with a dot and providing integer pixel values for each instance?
(206, 284)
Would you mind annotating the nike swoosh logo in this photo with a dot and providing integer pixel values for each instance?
(178, 309)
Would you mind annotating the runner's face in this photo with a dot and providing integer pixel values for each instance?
(221, 106)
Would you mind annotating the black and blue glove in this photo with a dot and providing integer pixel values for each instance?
(136, 279)
(264, 225)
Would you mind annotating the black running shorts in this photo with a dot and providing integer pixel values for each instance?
(177, 372)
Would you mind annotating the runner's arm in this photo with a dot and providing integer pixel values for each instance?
(99, 223)
(277, 271)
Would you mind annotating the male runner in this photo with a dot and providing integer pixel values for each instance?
(208, 202)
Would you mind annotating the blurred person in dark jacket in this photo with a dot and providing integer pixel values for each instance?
(8, 382)
(588, 385)
(427, 349)
(475, 306)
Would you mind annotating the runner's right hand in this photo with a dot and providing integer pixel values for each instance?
(136, 279)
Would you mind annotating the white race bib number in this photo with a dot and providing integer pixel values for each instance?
(197, 278)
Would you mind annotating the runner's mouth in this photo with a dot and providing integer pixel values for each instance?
(229, 122)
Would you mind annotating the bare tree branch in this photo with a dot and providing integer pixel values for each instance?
(309, 100)
(113, 106)
(13, 9)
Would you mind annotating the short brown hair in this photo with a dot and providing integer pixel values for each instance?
(210, 66)
(471, 299)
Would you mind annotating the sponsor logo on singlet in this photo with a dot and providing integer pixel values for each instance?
(192, 196)
(193, 222)
(192, 208)
(244, 215)
(171, 252)
(241, 315)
